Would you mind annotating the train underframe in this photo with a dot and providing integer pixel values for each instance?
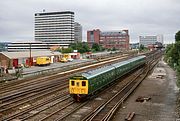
(79, 97)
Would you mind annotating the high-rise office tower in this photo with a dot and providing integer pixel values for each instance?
(55, 27)
(78, 32)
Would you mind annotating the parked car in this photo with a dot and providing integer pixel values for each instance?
(63, 60)
(70, 59)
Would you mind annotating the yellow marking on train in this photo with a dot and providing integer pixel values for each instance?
(77, 88)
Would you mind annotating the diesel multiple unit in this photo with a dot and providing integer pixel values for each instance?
(87, 83)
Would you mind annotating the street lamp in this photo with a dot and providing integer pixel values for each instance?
(30, 56)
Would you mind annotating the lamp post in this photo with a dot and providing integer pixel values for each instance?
(30, 56)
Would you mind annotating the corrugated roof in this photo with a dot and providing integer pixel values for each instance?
(26, 54)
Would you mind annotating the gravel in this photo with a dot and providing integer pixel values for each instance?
(161, 87)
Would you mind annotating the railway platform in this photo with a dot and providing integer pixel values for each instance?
(37, 70)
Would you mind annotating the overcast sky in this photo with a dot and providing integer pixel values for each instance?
(140, 17)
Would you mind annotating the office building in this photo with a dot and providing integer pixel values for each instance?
(150, 40)
(55, 27)
(160, 38)
(77, 32)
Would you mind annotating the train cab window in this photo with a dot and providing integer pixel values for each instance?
(83, 83)
(77, 84)
(72, 83)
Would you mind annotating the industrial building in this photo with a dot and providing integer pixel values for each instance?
(109, 39)
(34, 46)
(17, 59)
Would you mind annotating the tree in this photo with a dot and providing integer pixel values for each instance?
(82, 47)
(66, 50)
(172, 55)
(177, 36)
(141, 47)
(95, 47)
(113, 49)
(85, 47)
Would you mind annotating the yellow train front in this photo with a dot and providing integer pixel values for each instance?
(78, 87)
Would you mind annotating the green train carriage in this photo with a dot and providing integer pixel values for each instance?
(89, 82)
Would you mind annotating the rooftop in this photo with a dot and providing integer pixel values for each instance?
(26, 54)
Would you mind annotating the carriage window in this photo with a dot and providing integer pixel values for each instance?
(83, 83)
(72, 83)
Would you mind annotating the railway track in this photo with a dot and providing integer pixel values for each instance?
(31, 89)
(27, 116)
(43, 85)
(43, 105)
(49, 117)
(98, 100)
(22, 100)
(58, 115)
(106, 109)
(64, 68)
(18, 98)
(13, 86)
(103, 112)
(63, 111)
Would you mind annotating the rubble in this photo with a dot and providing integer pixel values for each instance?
(142, 99)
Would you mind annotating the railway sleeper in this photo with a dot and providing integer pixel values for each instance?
(130, 116)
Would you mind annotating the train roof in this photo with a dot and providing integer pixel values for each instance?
(128, 61)
(93, 73)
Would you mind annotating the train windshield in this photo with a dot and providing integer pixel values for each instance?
(83, 83)
(72, 83)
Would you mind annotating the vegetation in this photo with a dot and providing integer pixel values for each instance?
(177, 36)
(172, 55)
(81, 47)
(66, 50)
(96, 48)
(142, 48)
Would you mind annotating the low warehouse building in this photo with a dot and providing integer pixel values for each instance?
(17, 59)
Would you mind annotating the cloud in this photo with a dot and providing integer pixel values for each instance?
(141, 17)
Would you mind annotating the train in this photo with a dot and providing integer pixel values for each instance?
(86, 84)
(41, 61)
